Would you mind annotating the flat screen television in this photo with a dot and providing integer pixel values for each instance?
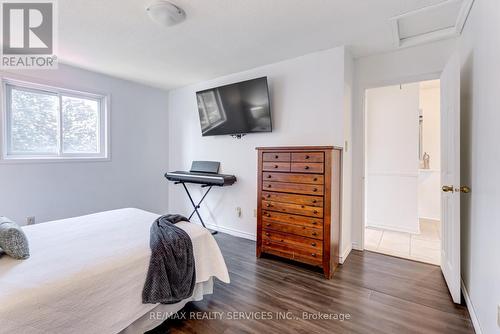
(235, 109)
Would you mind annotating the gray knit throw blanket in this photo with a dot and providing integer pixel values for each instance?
(171, 275)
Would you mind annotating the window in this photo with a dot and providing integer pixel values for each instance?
(50, 123)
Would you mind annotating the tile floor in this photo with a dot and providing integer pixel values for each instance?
(424, 247)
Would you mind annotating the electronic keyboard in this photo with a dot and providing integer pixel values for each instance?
(205, 173)
(210, 179)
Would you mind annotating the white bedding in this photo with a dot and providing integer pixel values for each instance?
(86, 274)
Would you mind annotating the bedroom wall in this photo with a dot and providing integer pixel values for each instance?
(479, 50)
(133, 177)
(307, 101)
(418, 63)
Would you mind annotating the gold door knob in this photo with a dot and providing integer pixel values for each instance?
(464, 189)
(447, 189)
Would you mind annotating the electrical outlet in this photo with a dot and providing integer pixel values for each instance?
(30, 220)
(238, 212)
(498, 315)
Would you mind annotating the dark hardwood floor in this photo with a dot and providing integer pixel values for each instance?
(379, 293)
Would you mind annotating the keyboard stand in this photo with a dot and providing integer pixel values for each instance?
(197, 206)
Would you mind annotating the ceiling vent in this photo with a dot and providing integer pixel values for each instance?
(443, 20)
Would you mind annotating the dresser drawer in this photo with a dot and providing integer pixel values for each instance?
(295, 178)
(276, 166)
(308, 157)
(298, 209)
(293, 240)
(306, 167)
(270, 156)
(273, 216)
(301, 255)
(297, 188)
(304, 231)
(291, 198)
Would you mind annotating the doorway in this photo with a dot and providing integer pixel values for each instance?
(403, 172)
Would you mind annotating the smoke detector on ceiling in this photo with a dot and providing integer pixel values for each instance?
(166, 13)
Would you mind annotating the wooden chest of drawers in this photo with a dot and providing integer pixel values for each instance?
(298, 204)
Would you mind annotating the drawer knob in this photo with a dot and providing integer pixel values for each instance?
(313, 254)
(314, 233)
(268, 224)
(302, 206)
(268, 205)
(314, 201)
(275, 166)
(307, 157)
(306, 167)
(269, 186)
(315, 189)
(315, 212)
(282, 240)
(315, 179)
(268, 215)
(268, 195)
(267, 234)
(314, 223)
(276, 156)
(269, 176)
(313, 244)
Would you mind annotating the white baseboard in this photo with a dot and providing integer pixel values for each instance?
(345, 254)
(470, 307)
(230, 231)
(392, 228)
(437, 220)
(355, 246)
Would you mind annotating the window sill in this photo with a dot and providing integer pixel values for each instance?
(41, 160)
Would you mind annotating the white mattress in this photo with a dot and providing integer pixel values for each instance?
(86, 274)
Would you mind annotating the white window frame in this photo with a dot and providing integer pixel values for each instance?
(103, 134)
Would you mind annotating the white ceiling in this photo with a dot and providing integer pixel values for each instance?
(219, 37)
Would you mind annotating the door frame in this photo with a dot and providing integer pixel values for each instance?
(362, 90)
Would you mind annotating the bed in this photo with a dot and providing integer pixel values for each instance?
(86, 274)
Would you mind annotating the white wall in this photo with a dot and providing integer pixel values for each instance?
(346, 239)
(480, 52)
(307, 101)
(407, 65)
(392, 157)
(429, 181)
(133, 177)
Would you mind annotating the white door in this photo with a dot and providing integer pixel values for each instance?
(450, 176)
